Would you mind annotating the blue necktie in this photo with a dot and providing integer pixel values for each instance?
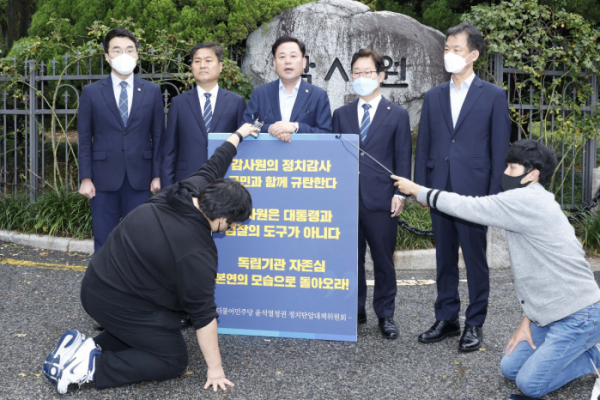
(123, 103)
(207, 112)
(365, 123)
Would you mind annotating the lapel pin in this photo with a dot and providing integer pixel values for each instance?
(306, 90)
(139, 90)
(389, 108)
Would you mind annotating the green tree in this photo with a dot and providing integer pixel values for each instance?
(224, 21)
(440, 16)
(443, 14)
(15, 18)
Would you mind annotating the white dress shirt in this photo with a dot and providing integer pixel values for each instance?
(457, 97)
(116, 82)
(287, 100)
(213, 98)
(361, 113)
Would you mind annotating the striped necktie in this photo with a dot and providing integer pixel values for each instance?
(123, 103)
(207, 112)
(365, 123)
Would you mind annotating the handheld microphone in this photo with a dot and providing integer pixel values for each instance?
(257, 123)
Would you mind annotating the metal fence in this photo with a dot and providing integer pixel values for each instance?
(28, 125)
(576, 189)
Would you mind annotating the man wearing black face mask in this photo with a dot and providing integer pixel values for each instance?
(557, 337)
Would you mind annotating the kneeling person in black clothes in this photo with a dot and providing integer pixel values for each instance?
(159, 261)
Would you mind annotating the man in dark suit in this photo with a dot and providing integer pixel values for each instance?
(289, 104)
(120, 122)
(193, 115)
(384, 130)
(464, 135)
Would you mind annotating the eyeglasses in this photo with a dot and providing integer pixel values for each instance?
(366, 74)
(118, 52)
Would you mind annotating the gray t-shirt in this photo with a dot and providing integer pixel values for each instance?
(551, 275)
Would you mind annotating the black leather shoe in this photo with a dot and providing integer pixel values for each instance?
(361, 318)
(471, 338)
(439, 331)
(388, 328)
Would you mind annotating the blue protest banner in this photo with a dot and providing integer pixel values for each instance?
(291, 269)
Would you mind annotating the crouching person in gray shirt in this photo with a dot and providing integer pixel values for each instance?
(554, 284)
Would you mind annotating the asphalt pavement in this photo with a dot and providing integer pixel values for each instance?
(39, 301)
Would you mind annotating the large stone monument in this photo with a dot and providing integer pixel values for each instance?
(333, 30)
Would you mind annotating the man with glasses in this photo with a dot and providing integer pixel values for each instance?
(289, 105)
(120, 122)
(384, 130)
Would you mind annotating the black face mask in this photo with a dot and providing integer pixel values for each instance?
(513, 182)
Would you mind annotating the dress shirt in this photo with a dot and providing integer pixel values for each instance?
(287, 100)
(213, 98)
(116, 82)
(361, 113)
(457, 97)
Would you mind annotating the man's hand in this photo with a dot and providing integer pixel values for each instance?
(87, 189)
(522, 333)
(282, 130)
(397, 206)
(155, 185)
(215, 377)
(406, 186)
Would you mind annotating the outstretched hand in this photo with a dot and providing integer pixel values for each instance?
(405, 185)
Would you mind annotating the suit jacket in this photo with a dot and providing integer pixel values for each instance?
(107, 149)
(388, 141)
(311, 109)
(185, 143)
(472, 154)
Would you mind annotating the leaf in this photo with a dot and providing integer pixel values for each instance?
(415, 315)
(189, 373)
(456, 362)
(21, 335)
(482, 349)
(22, 374)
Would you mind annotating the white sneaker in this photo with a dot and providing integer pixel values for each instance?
(66, 347)
(80, 368)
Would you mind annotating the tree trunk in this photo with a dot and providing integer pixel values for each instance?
(18, 19)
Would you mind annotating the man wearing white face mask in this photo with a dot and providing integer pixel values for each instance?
(384, 130)
(464, 135)
(120, 123)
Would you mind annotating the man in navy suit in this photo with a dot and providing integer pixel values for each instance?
(464, 135)
(120, 122)
(289, 104)
(384, 130)
(196, 113)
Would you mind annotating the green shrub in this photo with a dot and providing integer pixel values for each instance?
(53, 214)
(587, 228)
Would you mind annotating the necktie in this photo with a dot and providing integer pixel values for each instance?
(207, 112)
(123, 103)
(365, 123)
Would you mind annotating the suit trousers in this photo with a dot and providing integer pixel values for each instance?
(137, 344)
(379, 230)
(448, 232)
(109, 207)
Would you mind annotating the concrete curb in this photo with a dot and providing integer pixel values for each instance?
(48, 242)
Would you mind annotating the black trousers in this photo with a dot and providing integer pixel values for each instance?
(138, 343)
(379, 230)
(448, 232)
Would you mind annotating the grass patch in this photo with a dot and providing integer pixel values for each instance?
(418, 217)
